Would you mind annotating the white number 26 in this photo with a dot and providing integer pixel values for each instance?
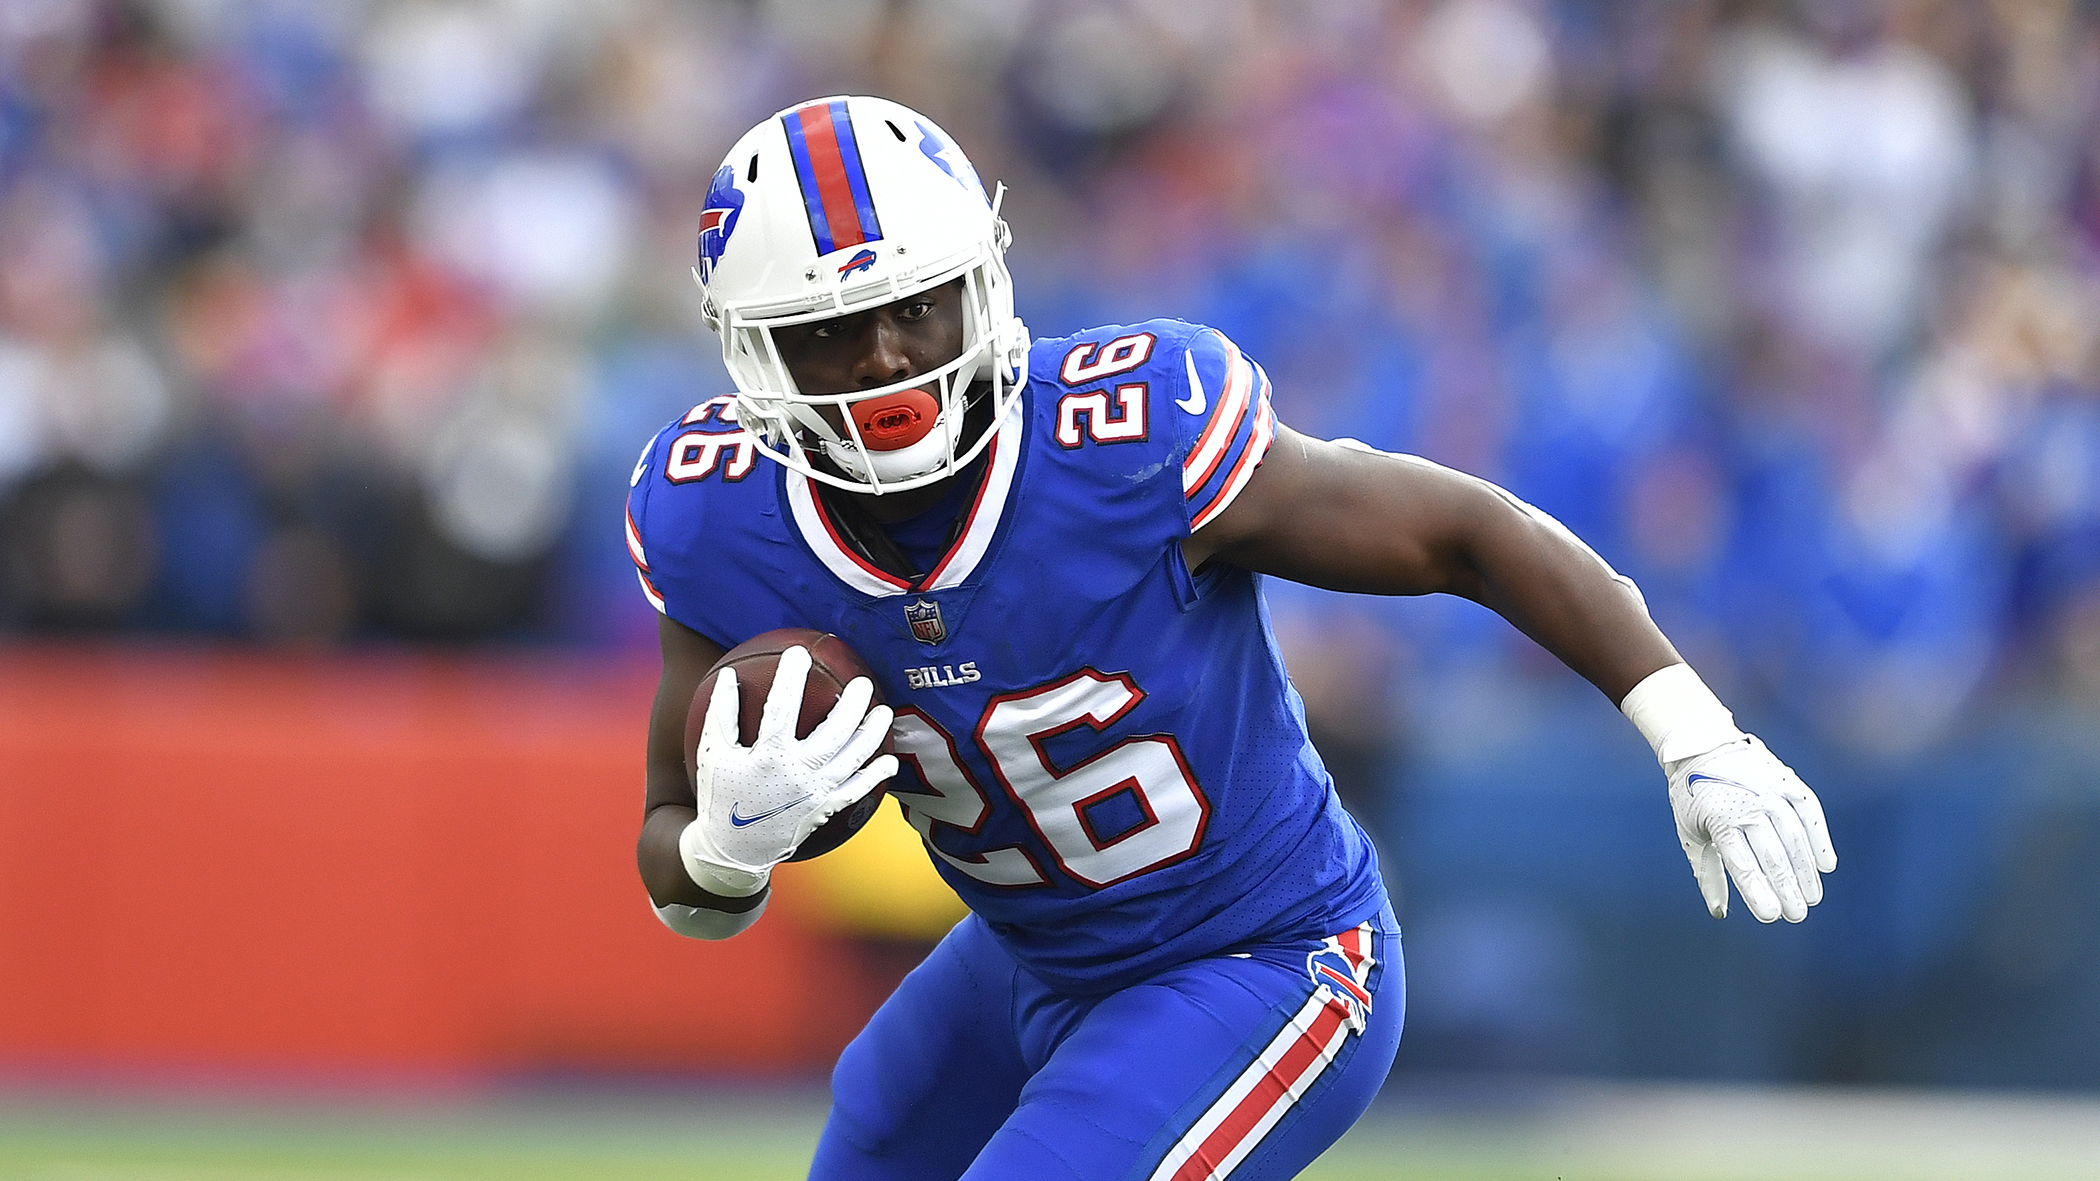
(1159, 818)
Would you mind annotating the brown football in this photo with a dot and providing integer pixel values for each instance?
(832, 664)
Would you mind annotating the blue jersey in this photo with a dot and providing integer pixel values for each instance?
(1099, 746)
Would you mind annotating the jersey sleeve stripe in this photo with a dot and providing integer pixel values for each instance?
(1224, 425)
(1250, 458)
(641, 564)
(649, 592)
(634, 543)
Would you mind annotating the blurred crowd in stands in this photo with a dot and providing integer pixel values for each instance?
(325, 322)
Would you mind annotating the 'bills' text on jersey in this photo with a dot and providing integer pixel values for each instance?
(1099, 746)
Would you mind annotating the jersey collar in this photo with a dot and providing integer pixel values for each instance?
(980, 524)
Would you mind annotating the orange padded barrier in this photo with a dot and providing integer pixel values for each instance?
(246, 860)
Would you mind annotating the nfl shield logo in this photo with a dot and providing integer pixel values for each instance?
(924, 615)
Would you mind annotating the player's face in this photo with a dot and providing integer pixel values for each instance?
(881, 346)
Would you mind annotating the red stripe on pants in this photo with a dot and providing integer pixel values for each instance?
(1273, 1089)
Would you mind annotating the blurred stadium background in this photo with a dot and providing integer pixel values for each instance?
(329, 331)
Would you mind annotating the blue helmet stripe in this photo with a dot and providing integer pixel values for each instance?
(812, 197)
(856, 177)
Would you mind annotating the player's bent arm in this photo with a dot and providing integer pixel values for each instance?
(1349, 518)
(687, 655)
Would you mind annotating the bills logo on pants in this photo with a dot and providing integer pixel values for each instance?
(1286, 1069)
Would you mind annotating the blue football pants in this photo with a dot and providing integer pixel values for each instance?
(1246, 1065)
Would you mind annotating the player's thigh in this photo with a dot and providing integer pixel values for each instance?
(1247, 1068)
(934, 1074)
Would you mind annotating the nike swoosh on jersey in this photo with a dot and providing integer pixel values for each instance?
(1197, 399)
(741, 821)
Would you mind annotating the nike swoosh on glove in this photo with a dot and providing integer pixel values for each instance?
(758, 803)
(1743, 814)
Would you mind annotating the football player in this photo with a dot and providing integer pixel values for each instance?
(1180, 961)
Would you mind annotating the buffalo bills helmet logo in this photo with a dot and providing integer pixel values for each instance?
(950, 160)
(859, 262)
(718, 219)
(924, 616)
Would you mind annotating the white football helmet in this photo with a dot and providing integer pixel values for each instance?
(836, 206)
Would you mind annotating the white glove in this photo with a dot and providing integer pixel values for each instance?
(758, 803)
(1743, 814)
(1740, 812)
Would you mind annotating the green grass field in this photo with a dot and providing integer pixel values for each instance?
(1566, 1132)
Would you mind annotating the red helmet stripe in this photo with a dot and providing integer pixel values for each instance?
(828, 189)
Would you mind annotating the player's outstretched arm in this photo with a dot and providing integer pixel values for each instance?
(1346, 517)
